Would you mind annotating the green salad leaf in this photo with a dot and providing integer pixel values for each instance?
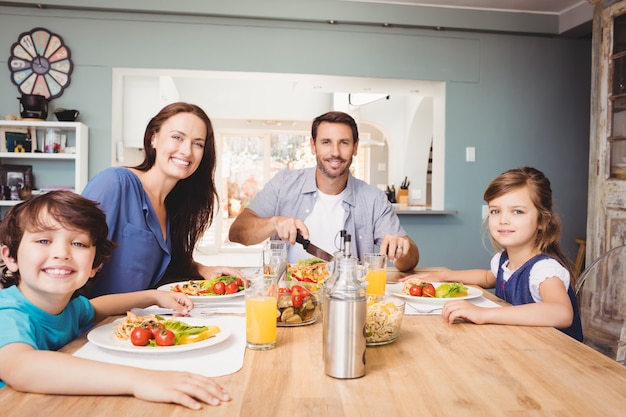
(181, 329)
(450, 289)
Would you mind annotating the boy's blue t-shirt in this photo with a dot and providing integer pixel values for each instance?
(23, 322)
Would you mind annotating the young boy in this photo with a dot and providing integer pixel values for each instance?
(51, 245)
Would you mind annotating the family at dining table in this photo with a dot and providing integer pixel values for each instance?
(135, 228)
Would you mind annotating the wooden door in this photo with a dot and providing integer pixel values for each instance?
(606, 214)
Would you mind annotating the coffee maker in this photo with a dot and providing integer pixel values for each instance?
(33, 106)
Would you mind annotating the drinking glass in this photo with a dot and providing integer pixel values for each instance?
(260, 293)
(274, 254)
(375, 265)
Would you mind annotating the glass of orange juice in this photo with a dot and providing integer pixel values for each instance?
(261, 311)
(375, 265)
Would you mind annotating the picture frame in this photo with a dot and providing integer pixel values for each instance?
(20, 139)
(20, 176)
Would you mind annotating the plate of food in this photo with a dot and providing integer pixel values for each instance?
(311, 272)
(189, 334)
(208, 290)
(421, 291)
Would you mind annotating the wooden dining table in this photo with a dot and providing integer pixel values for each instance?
(432, 369)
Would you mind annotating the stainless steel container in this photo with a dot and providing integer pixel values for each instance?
(344, 338)
(344, 313)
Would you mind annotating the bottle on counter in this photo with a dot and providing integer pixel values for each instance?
(344, 313)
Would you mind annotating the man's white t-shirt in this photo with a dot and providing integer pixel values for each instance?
(325, 222)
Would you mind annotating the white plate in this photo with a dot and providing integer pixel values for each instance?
(104, 337)
(471, 293)
(199, 299)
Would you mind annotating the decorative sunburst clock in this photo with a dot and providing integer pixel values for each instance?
(40, 63)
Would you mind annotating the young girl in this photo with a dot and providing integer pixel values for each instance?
(530, 271)
(51, 245)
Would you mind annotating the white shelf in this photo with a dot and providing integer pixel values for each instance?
(70, 167)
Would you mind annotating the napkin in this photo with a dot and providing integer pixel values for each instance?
(199, 310)
(417, 308)
(212, 361)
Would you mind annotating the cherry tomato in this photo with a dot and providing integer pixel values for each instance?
(231, 288)
(428, 290)
(155, 328)
(416, 290)
(219, 287)
(140, 336)
(283, 290)
(299, 289)
(239, 282)
(165, 337)
(296, 300)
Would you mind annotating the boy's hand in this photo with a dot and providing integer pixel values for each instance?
(189, 390)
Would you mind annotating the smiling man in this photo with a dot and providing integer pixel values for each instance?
(320, 202)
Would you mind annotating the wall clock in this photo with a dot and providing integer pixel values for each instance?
(40, 63)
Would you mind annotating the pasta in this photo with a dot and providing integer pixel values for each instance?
(125, 327)
(409, 283)
(383, 320)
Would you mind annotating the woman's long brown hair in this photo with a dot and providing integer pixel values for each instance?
(192, 202)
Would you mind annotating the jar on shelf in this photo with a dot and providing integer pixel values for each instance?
(52, 142)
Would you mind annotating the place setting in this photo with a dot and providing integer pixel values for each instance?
(430, 304)
(219, 349)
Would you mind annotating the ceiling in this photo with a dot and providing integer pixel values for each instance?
(574, 16)
(566, 18)
(530, 6)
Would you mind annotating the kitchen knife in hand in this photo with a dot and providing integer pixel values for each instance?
(313, 250)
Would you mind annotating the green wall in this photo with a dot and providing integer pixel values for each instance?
(520, 100)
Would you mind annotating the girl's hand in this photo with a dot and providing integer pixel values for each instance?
(424, 276)
(464, 310)
(187, 389)
(174, 300)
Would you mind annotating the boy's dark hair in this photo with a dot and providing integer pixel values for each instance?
(71, 210)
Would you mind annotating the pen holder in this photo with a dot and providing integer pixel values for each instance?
(403, 196)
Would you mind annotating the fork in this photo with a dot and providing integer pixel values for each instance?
(422, 311)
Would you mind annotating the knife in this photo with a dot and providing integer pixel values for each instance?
(313, 250)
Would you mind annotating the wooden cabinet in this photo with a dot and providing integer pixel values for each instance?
(66, 169)
(606, 213)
